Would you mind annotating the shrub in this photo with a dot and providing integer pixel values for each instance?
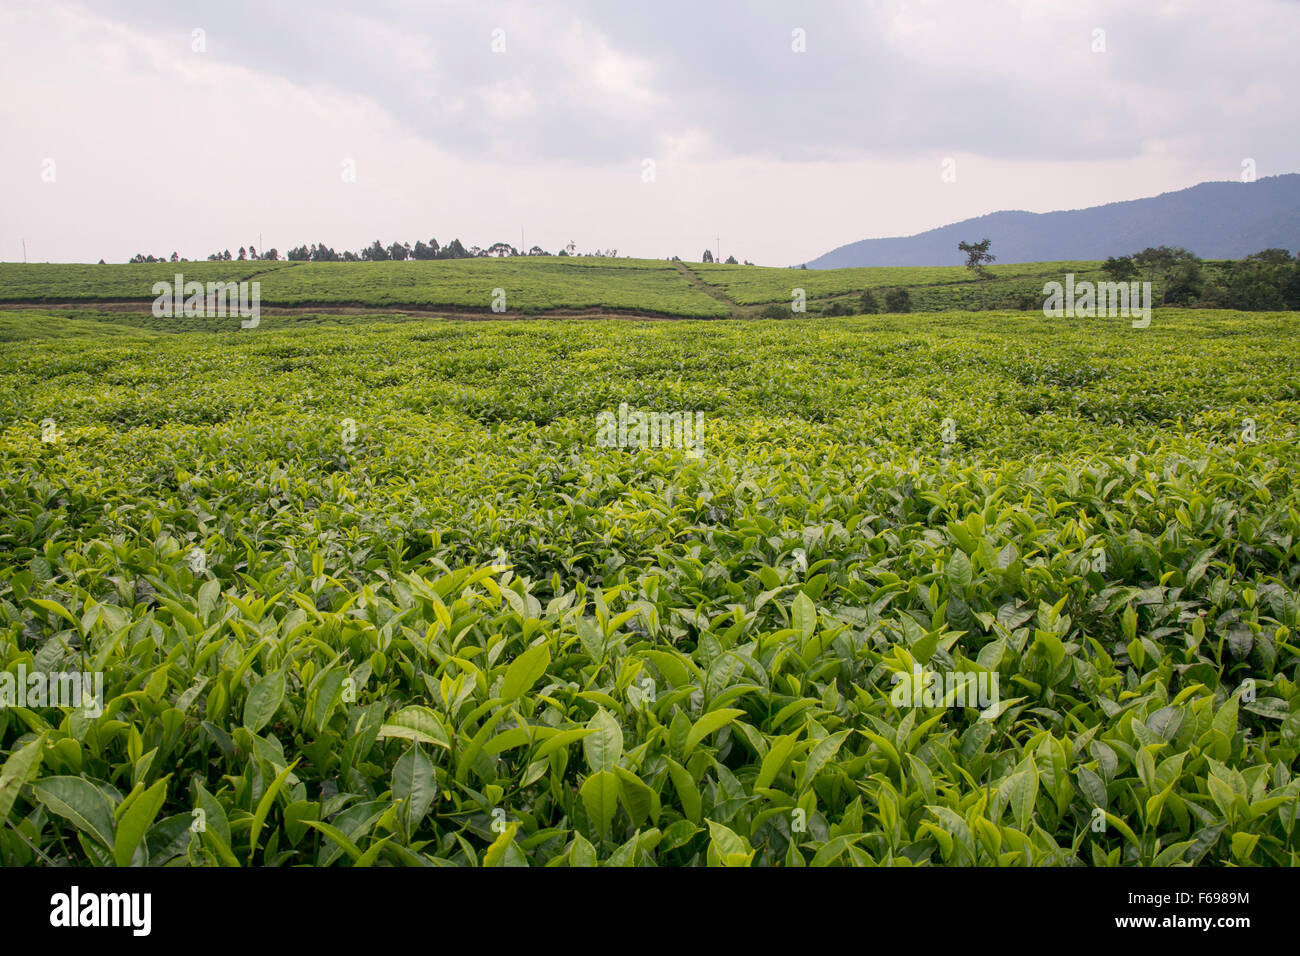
(898, 300)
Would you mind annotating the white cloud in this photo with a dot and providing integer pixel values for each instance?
(784, 155)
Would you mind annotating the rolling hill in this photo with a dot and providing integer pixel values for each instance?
(1215, 220)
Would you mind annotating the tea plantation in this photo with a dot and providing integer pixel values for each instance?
(539, 285)
(365, 591)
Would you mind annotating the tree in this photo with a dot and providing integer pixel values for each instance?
(252, 253)
(500, 250)
(1151, 260)
(731, 261)
(868, 305)
(977, 254)
(242, 254)
(1161, 261)
(375, 252)
(425, 252)
(1272, 257)
(898, 300)
(271, 255)
(175, 257)
(453, 250)
(708, 256)
(1291, 287)
(1261, 281)
(1182, 284)
(1120, 269)
(399, 252)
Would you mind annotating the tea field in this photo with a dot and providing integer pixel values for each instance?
(368, 591)
(70, 282)
(528, 286)
(931, 287)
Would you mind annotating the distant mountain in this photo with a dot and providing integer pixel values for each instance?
(1225, 220)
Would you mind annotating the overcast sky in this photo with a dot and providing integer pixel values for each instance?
(125, 130)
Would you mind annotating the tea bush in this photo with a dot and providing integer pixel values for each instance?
(373, 594)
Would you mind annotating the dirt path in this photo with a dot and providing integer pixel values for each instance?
(146, 306)
(267, 272)
(710, 290)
